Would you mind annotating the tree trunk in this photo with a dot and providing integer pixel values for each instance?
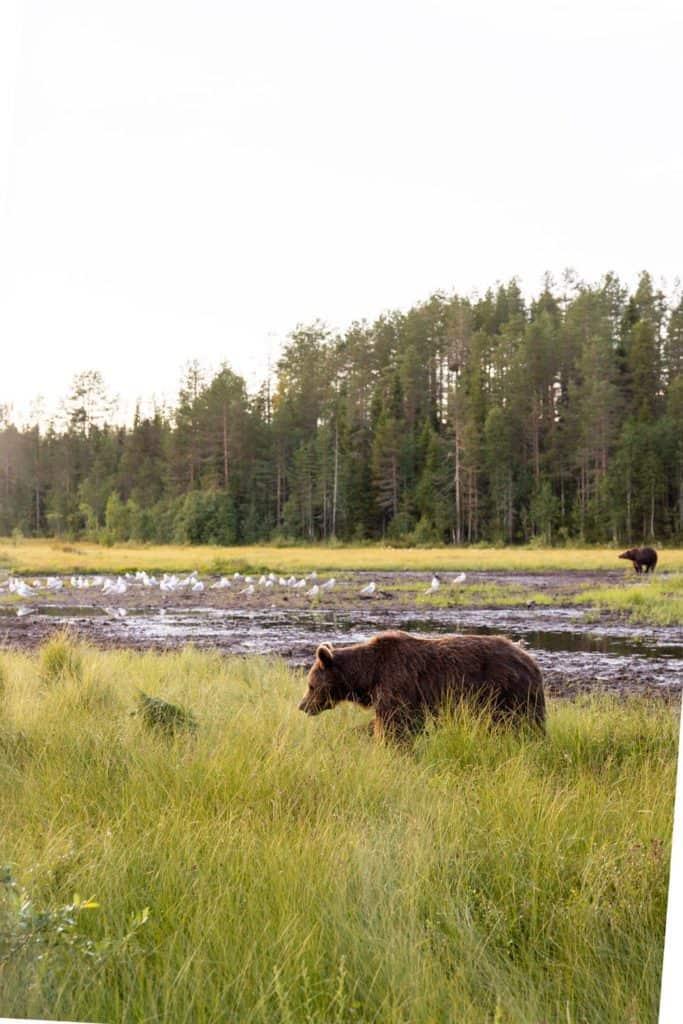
(629, 532)
(225, 447)
(476, 505)
(456, 483)
(278, 497)
(335, 481)
(536, 412)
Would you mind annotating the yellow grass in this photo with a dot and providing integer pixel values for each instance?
(46, 556)
(274, 869)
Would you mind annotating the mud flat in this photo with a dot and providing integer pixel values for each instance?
(577, 652)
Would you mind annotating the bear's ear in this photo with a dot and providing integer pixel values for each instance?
(324, 655)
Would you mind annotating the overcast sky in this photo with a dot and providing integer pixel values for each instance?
(193, 179)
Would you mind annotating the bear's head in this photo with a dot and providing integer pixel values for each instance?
(631, 554)
(333, 679)
(326, 685)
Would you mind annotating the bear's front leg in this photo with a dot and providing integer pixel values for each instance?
(393, 723)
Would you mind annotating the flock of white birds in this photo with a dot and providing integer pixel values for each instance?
(171, 583)
(436, 582)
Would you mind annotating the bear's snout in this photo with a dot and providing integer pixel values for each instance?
(314, 705)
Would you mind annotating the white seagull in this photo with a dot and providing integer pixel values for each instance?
(369, 590)
(434, 585)
(115, 586)
(329, 585)
(221, 584)
(460, 578)
(21, 588)
(116, 613)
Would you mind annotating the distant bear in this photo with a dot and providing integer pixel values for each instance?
(641, 557)
(405, 677)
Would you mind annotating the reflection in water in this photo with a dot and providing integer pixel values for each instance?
(564, 640)
(558, 637)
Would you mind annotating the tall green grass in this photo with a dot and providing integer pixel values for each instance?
(273, 868)
(483, 595)
(653, 599)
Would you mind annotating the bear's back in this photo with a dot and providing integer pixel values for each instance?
(404, 660)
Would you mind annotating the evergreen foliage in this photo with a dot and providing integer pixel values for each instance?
(463, 420)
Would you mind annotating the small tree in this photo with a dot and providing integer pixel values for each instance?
(117, 518)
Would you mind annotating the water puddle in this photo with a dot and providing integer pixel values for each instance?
(566, 644)
(571, 648)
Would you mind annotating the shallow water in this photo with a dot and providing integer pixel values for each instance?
(566, 645)
(558, 638)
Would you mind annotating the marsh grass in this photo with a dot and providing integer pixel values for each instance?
(60, 658)
(485, 595)
(275, 868)
(50, 556)
(655, 599)
(646, 599)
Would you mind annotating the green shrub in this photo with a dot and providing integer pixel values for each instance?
(162, 716)
(206, 517)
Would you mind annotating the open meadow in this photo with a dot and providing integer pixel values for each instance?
(272, 868)
(331, 691)
(56, 556)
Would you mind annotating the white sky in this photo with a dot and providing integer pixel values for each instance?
(192, 179)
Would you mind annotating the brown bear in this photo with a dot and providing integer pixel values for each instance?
(640, 557)
(405, 678)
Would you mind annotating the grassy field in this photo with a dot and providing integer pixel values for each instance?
(479, 595)
(275, 868)
(47, 556)
(657, 599)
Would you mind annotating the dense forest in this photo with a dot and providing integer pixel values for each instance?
(462, 420)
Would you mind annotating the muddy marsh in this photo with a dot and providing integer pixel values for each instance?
(272, 868)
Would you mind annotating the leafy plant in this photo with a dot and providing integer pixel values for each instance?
(160, 715)
(38, 934)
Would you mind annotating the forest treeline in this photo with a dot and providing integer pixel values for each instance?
(462, 420)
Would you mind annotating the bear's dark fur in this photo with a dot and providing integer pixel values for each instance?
(641, 557)
(404, 678)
